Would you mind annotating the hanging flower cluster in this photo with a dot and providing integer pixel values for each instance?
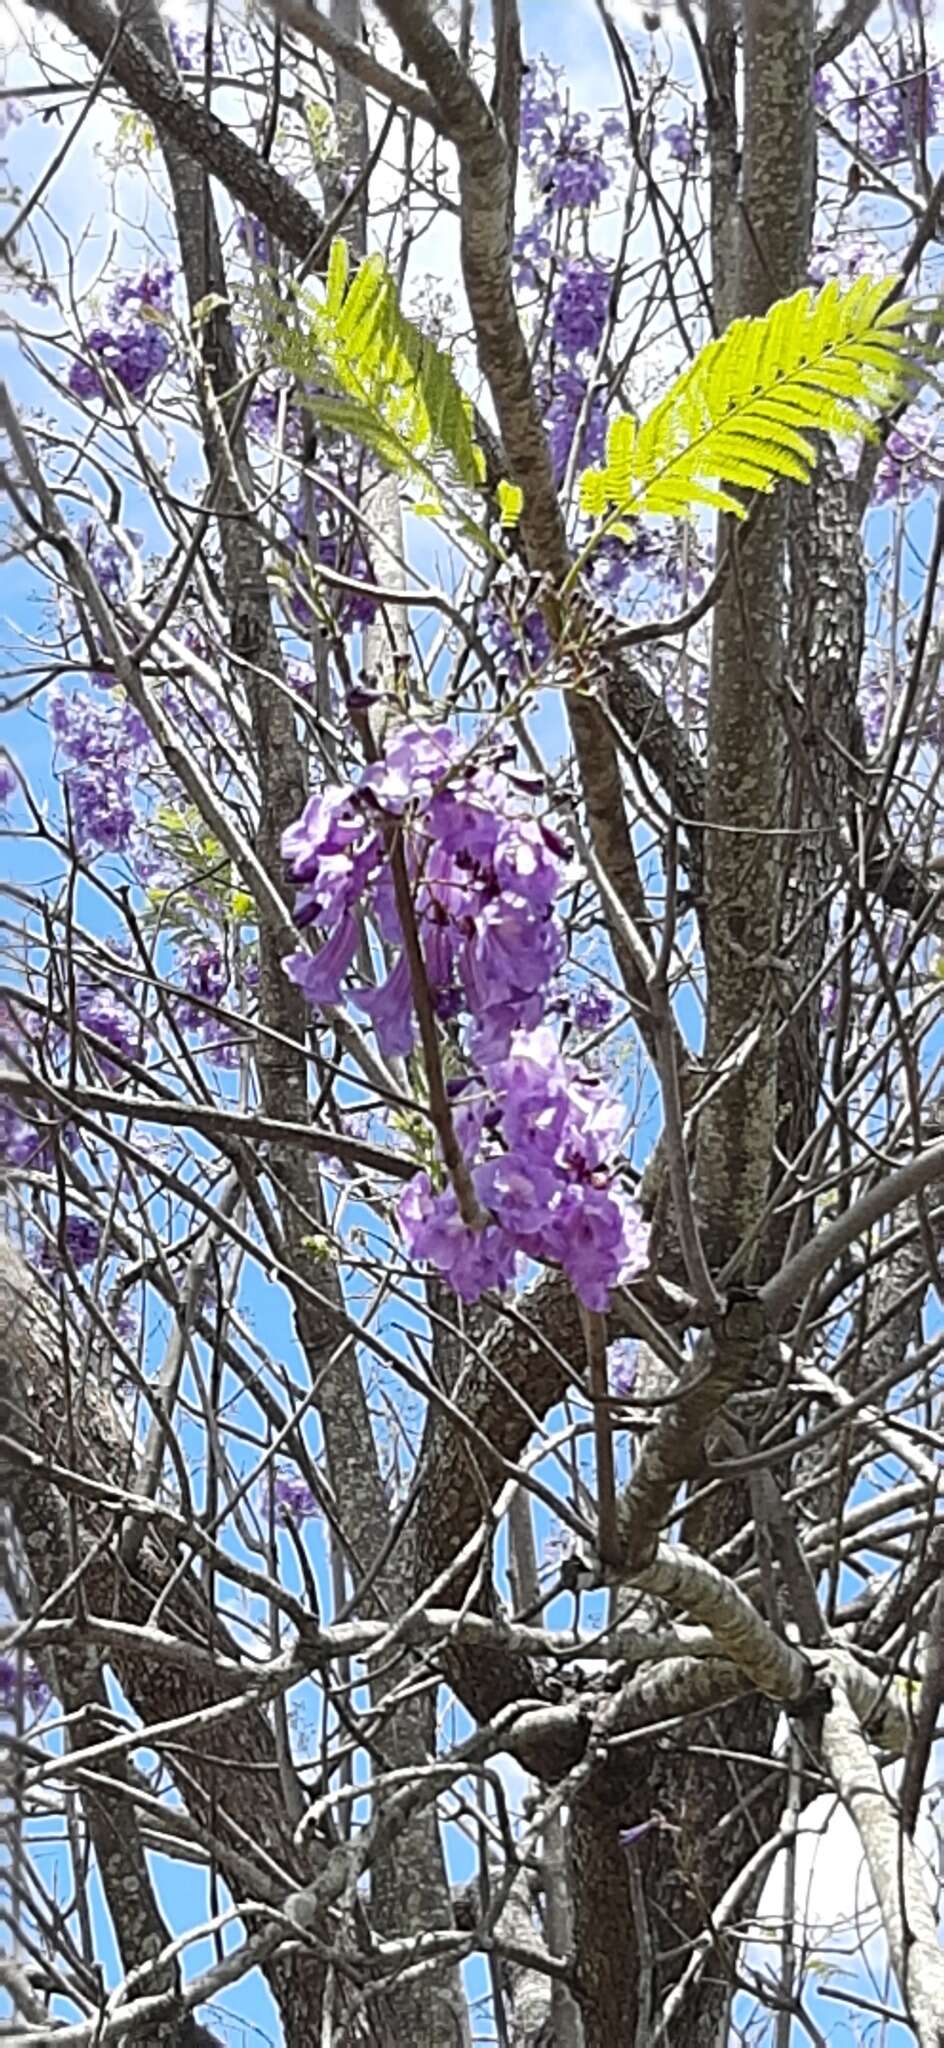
(887, 117)
(101, 747)
(580, 308)
(539, 1133)
(485, 875)
(292, 1497)
(571, 166)
(910, 460)
(82, 1240)
(566, 157)
(21, 1682)
(134, 348)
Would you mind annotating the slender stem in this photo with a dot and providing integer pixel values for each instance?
(594, 1330)
(440, 1112)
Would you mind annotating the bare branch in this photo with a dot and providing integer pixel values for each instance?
(907, 1915)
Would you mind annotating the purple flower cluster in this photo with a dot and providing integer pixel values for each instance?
(887, 116)
(21, 1681)
(82, 1241)
(293, 1497)
(581, 305)
(8, 784)
(107, 559)
(565, 156)
(522, 645)
(873, 700)
(591, 1008)
(24, 1123)
(136, 349)
(909, 461)
(102, 747)
(205, 974)
(134, 358)
(538, 1133)
(485, 878)
(681, 141)
(254, 239)
(532, 252)
(265, 413)
(101, 1010)
(852, 257)
(564, 404)
(662, 562)
(550, 1192)
(153, 288)
(21, 1144)
(188, 47)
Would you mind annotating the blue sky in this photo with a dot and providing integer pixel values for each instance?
(571, 36)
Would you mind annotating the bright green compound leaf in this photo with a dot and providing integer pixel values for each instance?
(510, 502)
(394, 390)
(746, 411)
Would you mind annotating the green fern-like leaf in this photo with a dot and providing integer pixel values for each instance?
(743, 415)
(510, 502)
(393, 389)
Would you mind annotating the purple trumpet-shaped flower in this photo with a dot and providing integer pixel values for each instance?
(293, 1498)
(550, 1191)
(82, 1242)
(330, 825)
(390, 1009)
(416, 762)
(471, 1260)
(580, 309)
(591, 1009)
(680, 141)
(520, 1190)
(331, 849)
(320, 975)
(511, 956)
(599, 1240)
(623, 1365)
(909, 461)
(472, 1111)
(21, 1682)
(528, 863)
(102, 747)
(465, 820)
(101, 1011)
(628, 1837)
(564, 407)
(151, 288)
(134, 357)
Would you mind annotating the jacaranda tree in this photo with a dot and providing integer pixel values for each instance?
(470, 1114)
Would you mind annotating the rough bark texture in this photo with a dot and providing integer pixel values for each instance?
(765, 828)
(228, 1771)
(745, 722)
